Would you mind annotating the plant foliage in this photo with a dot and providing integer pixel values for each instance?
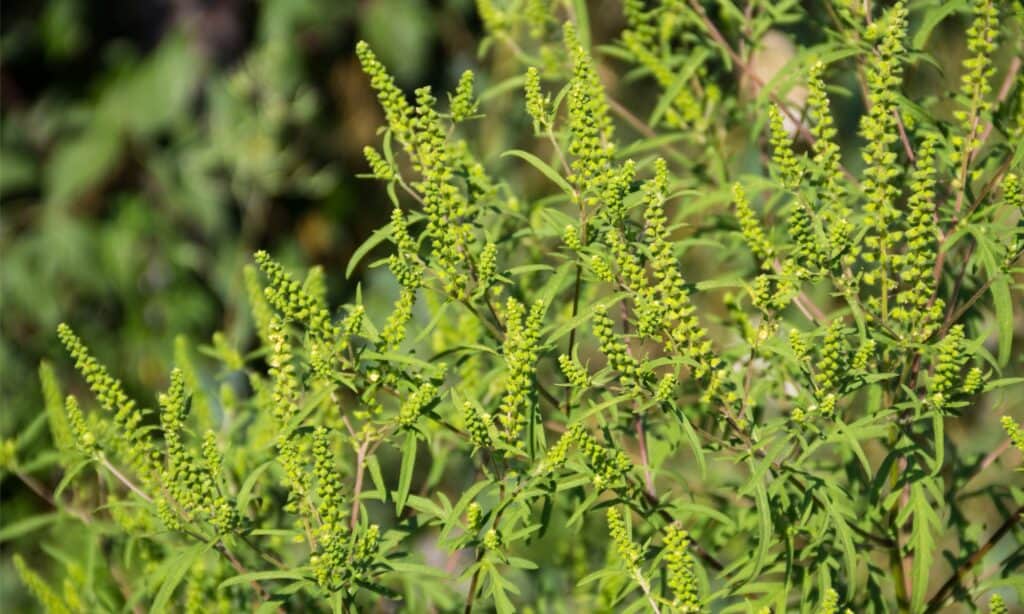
(688, 355)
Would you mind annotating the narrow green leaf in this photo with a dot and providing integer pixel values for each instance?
(498, 586)
(1003, 303)
(27, 525)
(260, 576)
(543, 167)
(844, 534)
(424, 505)
(1004, 382)
(521, 563)
(175, 574)
(934, 17)
(268, 607)
(69, 476)
(245, 492)
(375, 239)
(693, 62)
(373, 466)
(695, 447)
(922, 543)
(405, 474)
(764, 528)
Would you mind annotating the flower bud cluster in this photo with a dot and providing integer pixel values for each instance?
(60, 430)
(798, 343)
(751, 228)
(477, 425)
(537, 102)
(884, 75)
(394, 330)
(609, 464)
(830, 602)
(1014, 431)
(448, 215)
(616, 351)
(571, 238)
(602, 269)
(973, 381)
(190, 485)
(831, 365)
(487, 267)
(44, 594)
(493, 540)
(352, 325)
(397, 109)
(828, 170)
(414, 405)
(975, 85)
(666, 388)
(463, 105)
(922, 243)
(448, 212)
(288, 297)
(379, 167)
(522, 337)
(221, 512)
(807, 251)
(620, 184)
(474, 518)
(771, 293)
(328, 482)
(343, 557)
(131, 442)
(628, 551)
(258, 306)
(494, 20)
(680, 574)
(788, 167)
(670, 300)
(589, 124)
(864, 355)
(404, 263)
(201, 411)
(1013, 196)
(951, 356)
(574, 372)
(996, 605)
(293, 453)
(557, 453)
(283, 373)
(631, 271)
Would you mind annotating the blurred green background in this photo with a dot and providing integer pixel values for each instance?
(149, 147)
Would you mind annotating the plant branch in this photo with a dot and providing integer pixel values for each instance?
(641, 436)
(940, 597)
(124, 479)
(358, 488)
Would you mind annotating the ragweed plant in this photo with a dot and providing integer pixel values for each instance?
(721, 358)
